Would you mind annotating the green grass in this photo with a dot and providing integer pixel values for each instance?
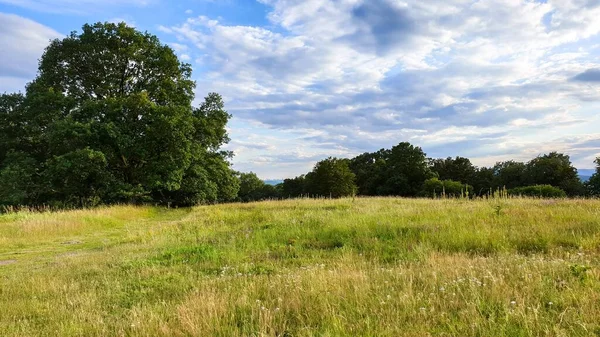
(364, 267)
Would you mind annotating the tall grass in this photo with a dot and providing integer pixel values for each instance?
(348, 267)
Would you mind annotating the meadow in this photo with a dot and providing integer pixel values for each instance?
(346, 267)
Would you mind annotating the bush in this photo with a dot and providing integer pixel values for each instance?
(434, 187)
(542, 191)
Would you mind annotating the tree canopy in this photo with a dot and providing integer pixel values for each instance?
(457, 169)
(593, 185)
(109, 118)
(404, 170)
(399, 171)
(331, 177)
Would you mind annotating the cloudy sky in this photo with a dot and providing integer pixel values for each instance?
(305, 79)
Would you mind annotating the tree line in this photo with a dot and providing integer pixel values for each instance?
(109, 119)
(405, 170)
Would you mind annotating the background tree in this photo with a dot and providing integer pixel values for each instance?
(294, 187)
(509, 174)
(435, 187)
(554, 169)
(593, 185)
(405, 172)
(483, 180)
(331, 177)
(457, 169)
(539, 191)
(252, 188)
(369, 169)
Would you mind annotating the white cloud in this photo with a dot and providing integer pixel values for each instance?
(372, 73)
(23, 42)
(488, 79)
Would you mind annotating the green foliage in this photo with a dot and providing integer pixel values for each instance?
(435, 187)
(593, 185)
(508, 174)
(406, 170)
(250, 187)
(554, 169)
(483, 180)
(77, 178)
(399, 171)
(109, 119)
(18, 176)
(12, 126)
(541, 191)
(579, 271)
(331, 177)
(369, 169)
(457, 169)
(253, 188)
(294, 187)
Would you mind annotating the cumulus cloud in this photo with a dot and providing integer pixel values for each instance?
(487, 79)
(457, 77)
(23, 42)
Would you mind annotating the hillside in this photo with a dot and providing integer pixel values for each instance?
(348, 267)
(585, 174)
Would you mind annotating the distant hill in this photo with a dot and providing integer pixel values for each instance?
(585, 174)
(273, 181)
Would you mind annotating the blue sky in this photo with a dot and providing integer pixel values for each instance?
(305, 79)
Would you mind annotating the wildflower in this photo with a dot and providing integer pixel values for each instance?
(442, 289)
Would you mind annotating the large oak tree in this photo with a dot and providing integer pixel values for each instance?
(109, 118)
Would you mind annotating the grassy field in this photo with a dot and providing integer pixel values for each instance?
(364, 267)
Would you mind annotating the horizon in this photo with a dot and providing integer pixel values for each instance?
(304, 80)
(587, 174)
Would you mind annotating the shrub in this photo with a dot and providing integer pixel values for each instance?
(434, 187)
(542, 191)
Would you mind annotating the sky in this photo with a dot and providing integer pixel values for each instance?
(490, 80)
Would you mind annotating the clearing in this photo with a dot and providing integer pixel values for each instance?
(363, 267)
